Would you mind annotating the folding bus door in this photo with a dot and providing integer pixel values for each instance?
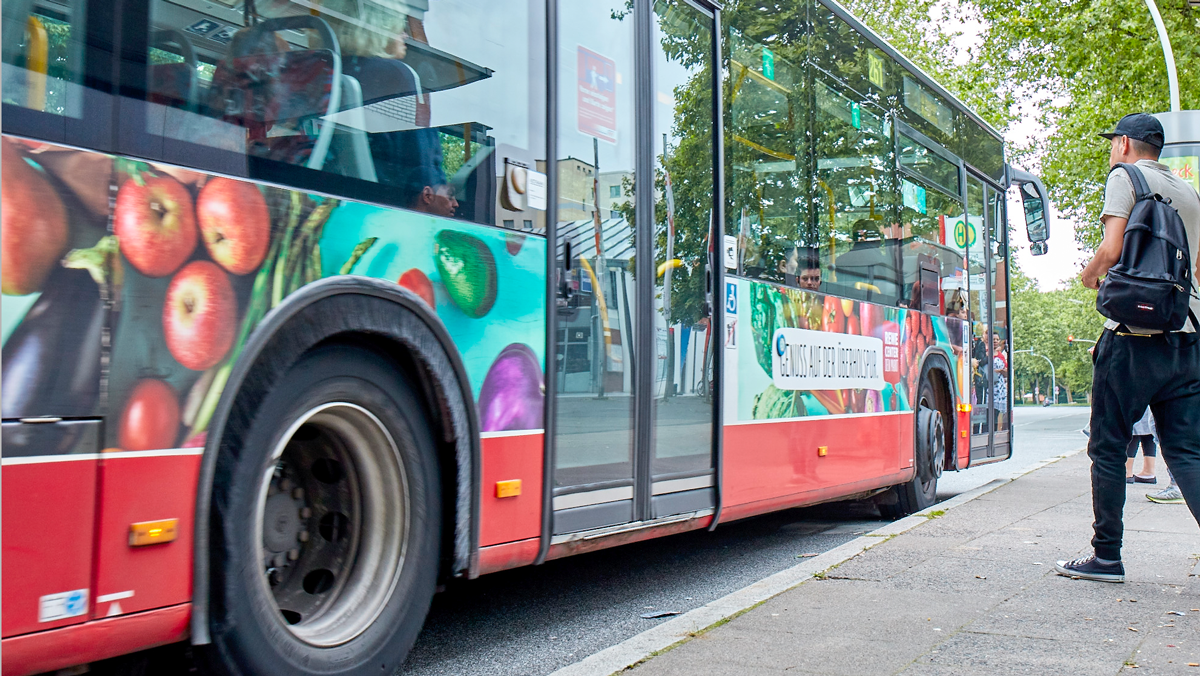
(636, 147)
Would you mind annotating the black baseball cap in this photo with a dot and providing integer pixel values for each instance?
(1139, 127)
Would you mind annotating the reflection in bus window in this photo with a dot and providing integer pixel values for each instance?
(440, 103)
(43, 56)
(854, 197)
(931, 262)
(767, 182)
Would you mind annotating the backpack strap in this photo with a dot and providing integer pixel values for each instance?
(1141, 189)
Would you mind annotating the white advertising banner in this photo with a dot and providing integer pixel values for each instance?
(818, 360)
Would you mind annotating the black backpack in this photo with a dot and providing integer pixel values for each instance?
(1150, 287)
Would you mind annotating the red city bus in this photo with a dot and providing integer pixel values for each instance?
(308, 305)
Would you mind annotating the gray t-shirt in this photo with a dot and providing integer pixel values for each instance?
(1119, 200)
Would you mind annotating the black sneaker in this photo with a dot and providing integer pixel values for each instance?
(1088, 568)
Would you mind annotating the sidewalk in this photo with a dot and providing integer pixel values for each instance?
(973, 591)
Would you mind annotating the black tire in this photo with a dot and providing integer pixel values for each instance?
(339, 631)
(930, 458)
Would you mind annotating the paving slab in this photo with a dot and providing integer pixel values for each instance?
(972, 591)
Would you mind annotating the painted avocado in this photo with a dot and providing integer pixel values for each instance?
(468, 271)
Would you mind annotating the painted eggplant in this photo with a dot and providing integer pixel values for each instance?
(51, 361)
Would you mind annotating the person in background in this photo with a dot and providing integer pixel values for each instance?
(1000, 378)
(1143, 435)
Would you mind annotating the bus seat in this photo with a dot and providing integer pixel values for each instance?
(281, 97)
(350, 150)
(173, 84)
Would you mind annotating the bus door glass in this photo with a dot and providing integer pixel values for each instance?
(594, 363)
(979, 309)
(682, 117)
(1001, 339)
(633, 426)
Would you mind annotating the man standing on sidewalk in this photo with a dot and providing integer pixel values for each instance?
(1135, 367)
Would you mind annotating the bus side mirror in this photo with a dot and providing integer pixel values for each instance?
(1036, 206)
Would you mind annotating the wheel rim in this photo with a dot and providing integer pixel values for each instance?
(935, 444)
(332, 523)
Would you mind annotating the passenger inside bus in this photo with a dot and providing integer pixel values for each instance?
(809, 276)
(869, 266)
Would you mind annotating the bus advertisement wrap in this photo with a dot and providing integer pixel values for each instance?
(798, 353)
(192, 263)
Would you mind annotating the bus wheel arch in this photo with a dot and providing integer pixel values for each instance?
(381, 317)
(933, 404)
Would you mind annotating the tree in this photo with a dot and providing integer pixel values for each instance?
(1081, 65)
(1042, 321)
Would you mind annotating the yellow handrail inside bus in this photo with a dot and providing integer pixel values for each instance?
(37, 62)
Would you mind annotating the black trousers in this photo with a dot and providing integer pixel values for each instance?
(1132, 372)
(1146, 442)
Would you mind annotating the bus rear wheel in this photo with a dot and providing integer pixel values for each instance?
(930, 458)
(327, 524)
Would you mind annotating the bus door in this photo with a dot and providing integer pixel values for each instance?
(636, 196)
(979, 292)
(1001, 333)
(54, 319)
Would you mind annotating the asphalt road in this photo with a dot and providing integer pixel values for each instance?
(532, 621)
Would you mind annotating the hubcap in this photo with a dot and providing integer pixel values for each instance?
(333, 523)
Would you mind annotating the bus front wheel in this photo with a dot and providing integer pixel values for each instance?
(327, 519)
(929, 457)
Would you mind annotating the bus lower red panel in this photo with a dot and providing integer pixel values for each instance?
(93, 641)
(808, 460)
(509, 511)
(139, 487)
(508, 555)
(49, 508)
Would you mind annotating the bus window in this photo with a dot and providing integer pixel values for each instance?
(441, 107)
(931, 264)
(854, 197)
(43, 56)
(1000, 348)
(767, 181)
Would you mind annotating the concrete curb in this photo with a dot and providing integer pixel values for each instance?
(680, 629)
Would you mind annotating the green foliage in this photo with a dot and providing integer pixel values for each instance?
(1081, 65)
(1042, 321)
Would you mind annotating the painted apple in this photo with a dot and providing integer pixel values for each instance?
(150, 420)
(199, 315)
(512, 394)
(234, 223)
(156, 223)
(870, 316)
(33, 233)
(414, 280)
(468, 271)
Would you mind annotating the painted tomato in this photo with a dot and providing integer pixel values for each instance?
(416, 281)
(150, 419)
(833, 319)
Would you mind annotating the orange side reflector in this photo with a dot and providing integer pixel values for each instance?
(822, 451)
(508, 489)
(152, 532)
(964, 408)
(964, 433)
